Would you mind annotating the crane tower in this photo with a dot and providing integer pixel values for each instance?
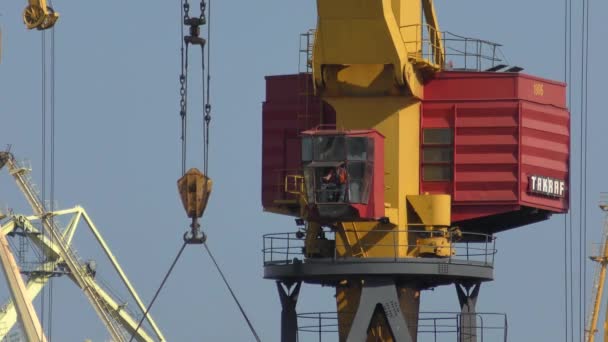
(401, 150)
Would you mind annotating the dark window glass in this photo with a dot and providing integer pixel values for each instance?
(437, 172)
(370, 150)
(356, 170)
(356, 148)
(359, 179)
(437, 155)
(437, 136)
(306, 149)
(329, 148)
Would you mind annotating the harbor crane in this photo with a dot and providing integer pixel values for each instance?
(601, 258)
(60, 258)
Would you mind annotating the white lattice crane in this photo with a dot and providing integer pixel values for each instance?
(55, 245)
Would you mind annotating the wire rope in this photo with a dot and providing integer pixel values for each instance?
(566, 304)
(44, 163)
(583, 171)
(236, 300)
(183, 90)
(162, 285)
(52, 171)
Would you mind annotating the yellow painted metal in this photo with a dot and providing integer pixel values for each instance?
(123, 318)
(436, 41)
(8, 316)
(35, 283)
(433, 210)
(83, 279)
(294, 184)
(438, 246)
(120, 272)
(348, 294)
(369, 64)
(362, 33)
(38, 15)
(194, 189)
(598, 285)
(27, 315)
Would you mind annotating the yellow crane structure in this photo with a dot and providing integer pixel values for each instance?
(27, 314)
(38, 15)
(396, 164)
(601, 258)
(55, 245)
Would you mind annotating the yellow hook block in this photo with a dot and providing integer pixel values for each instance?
(194, 189)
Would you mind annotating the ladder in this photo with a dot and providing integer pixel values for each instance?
(76, 267)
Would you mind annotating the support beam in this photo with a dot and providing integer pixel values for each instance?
(467, 297)
(34, 286)
(381, 292)
(288, 294)
(25, 309)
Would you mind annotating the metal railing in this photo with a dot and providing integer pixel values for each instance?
(431, 326)
(458, 52)
(289, 248)
(305, 54)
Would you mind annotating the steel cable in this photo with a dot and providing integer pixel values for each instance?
(570, 216)
(43, 168)
(566, 306)
(236, 300)
(583, 174)
(183, 89)
(162, 284)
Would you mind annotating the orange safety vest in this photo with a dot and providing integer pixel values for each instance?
(341, 175)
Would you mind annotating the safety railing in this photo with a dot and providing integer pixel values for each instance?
(427, 47)
(451, 51)
(294, 184)
(280, 186)
(430, 327)
(288, 248)
(305, 56)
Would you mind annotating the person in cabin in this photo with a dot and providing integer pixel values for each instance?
(341, 177)
(329, 185)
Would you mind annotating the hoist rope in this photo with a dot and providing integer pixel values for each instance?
(566, 287)
(236, 300)
(43, 168)
(183, 90)
(584, 144)
(48, 166)
(207, 99)
(52, 173)
(162, 285)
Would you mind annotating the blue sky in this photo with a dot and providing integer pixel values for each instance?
(118, 155)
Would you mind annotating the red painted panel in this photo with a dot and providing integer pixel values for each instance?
(507, 126)
(545, 151)
(540, 90)
(288, 110)
(452, 86)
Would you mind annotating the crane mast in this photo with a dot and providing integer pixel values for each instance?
(398, 162)
(27, 314)
(56, 246)
(599, 282)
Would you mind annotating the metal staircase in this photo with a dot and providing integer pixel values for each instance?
(75, 266)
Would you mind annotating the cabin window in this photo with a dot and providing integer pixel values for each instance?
(357, 148)
(306, 149)
(437, 154)
(338, 168)
(329, 148)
